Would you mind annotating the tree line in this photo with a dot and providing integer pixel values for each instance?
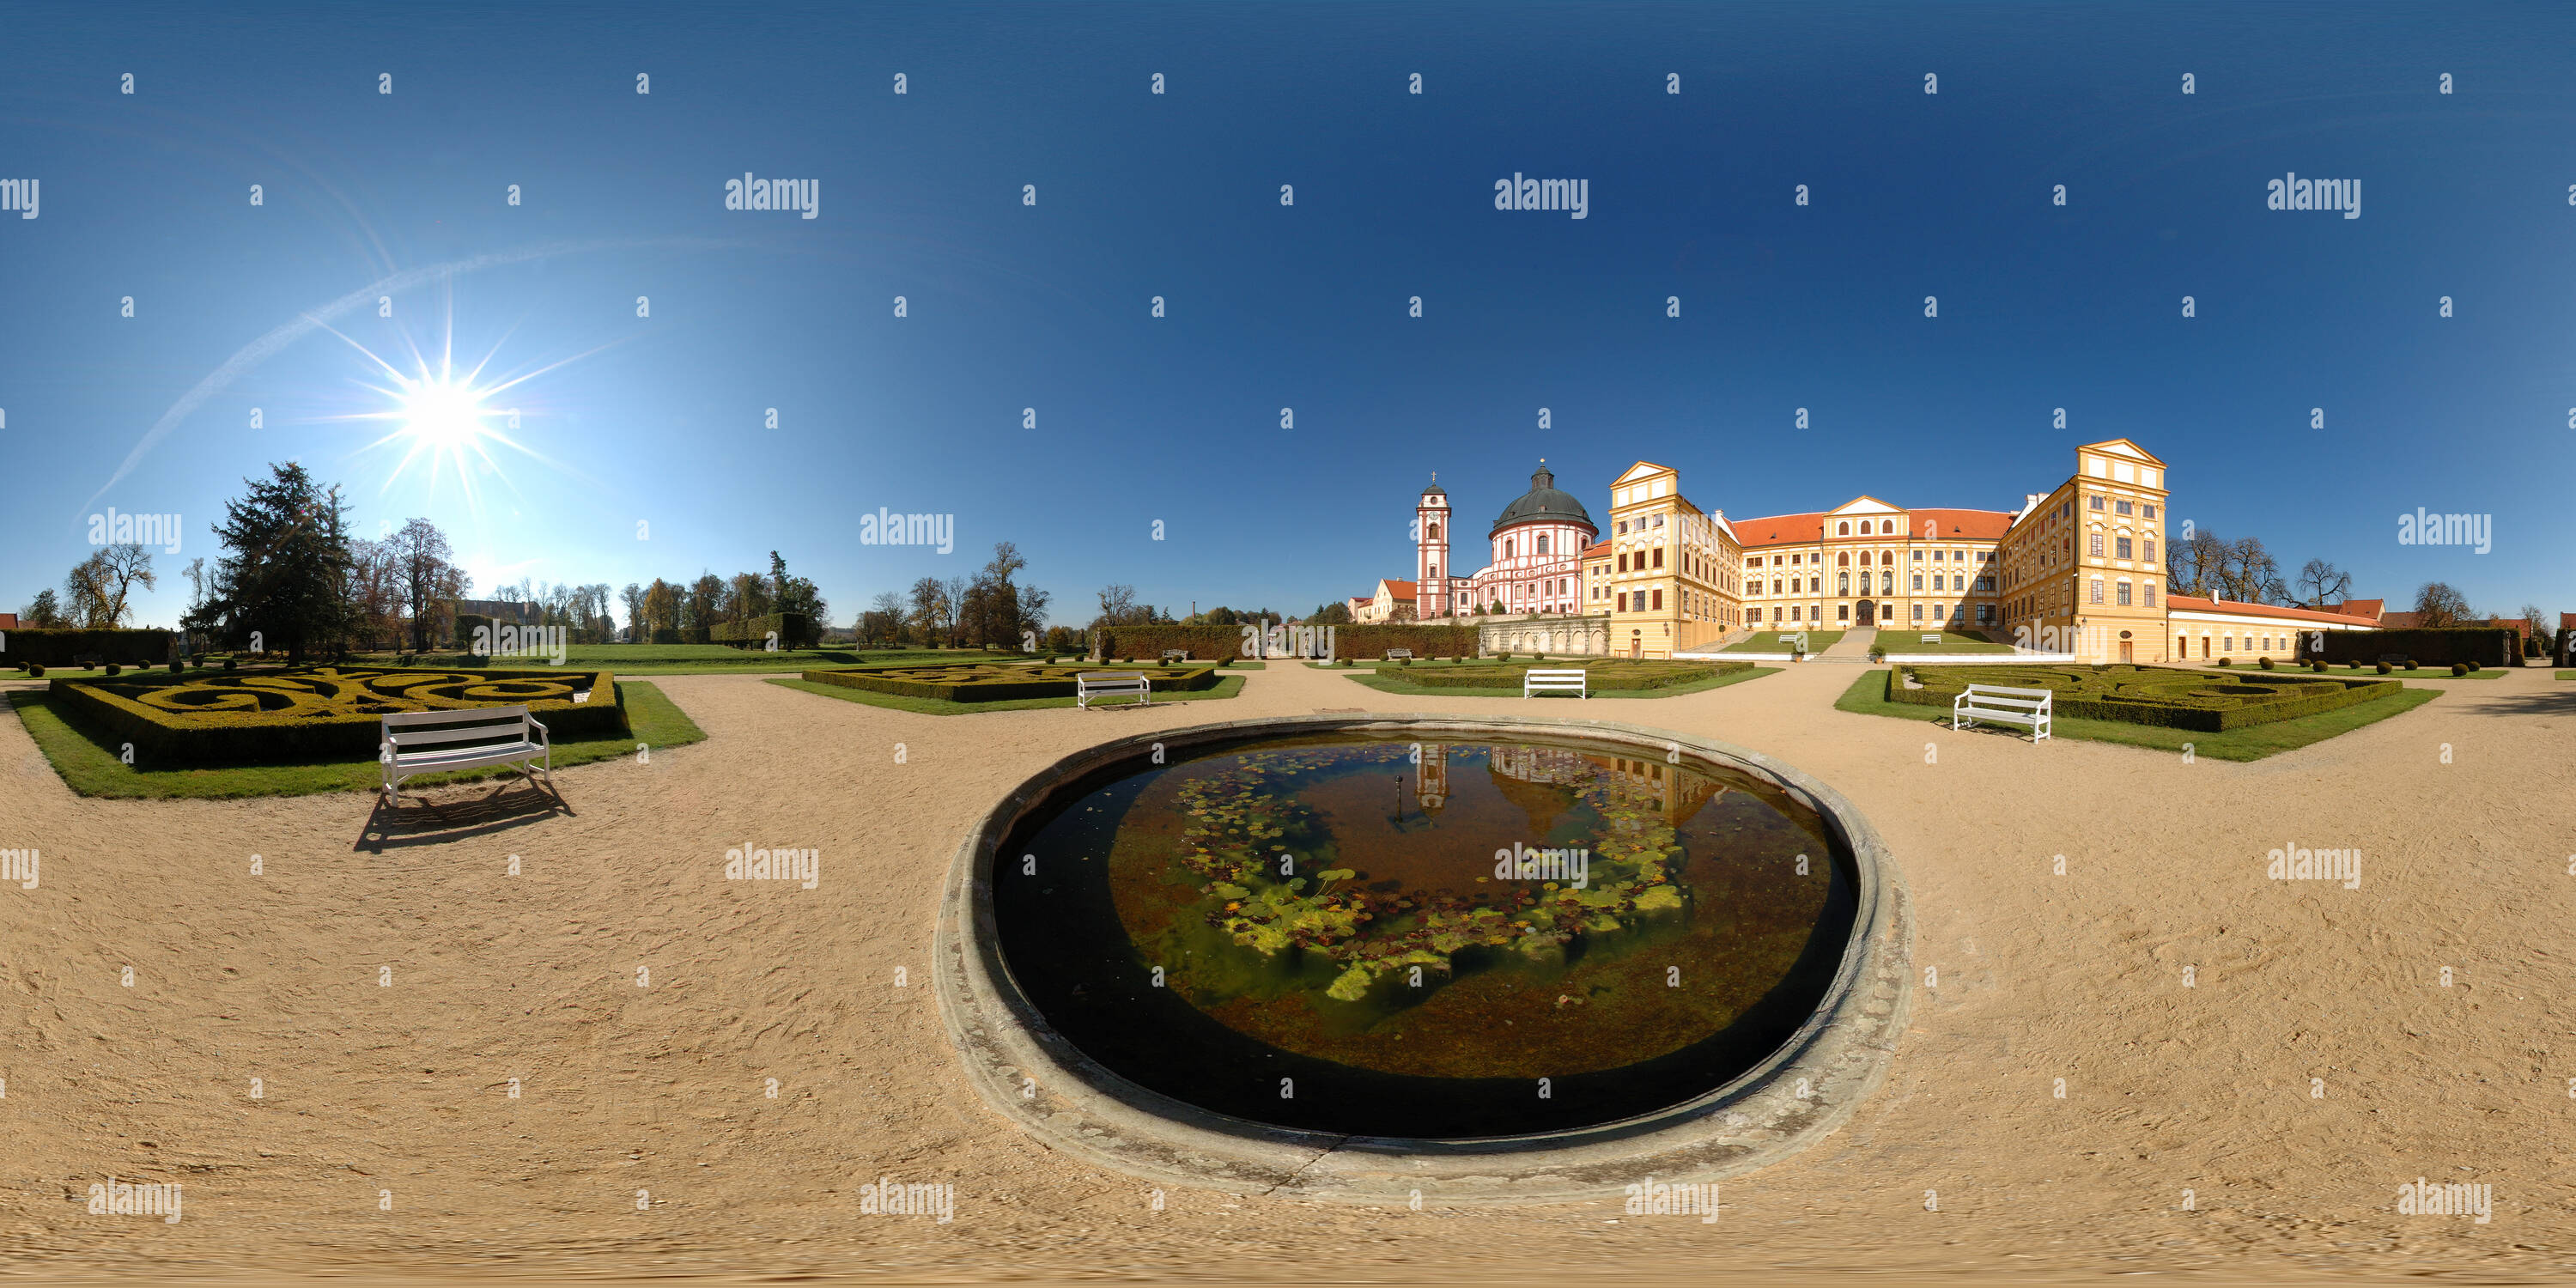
(674, 612)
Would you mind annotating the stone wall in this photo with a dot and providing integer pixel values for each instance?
(1557, 635)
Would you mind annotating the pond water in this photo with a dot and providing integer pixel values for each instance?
(1381, 936)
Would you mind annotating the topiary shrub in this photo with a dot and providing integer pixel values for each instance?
(2267, 664)
(2383, 668)
(1404, 661)
(2318, 667)
(230, 663)
(2227, 661)
(113, 668)
(2459, 669)
(1504, 656)
(36, 669)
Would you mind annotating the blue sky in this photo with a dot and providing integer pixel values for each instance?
(662, 420)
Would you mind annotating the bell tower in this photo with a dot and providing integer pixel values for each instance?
(1431, 553)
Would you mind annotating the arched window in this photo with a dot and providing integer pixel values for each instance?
(1542, 545)
(1846, 557)
(1507, 547)
(1842, 529)
(1433, 530)
(1844, 586)
(1886, 582)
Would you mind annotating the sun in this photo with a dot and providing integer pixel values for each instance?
(443, 415)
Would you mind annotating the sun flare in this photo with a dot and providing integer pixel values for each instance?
(443, 415)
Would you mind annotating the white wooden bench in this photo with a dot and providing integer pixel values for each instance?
(1931, 639)
(1097, 684)
(428, 742)
(1991, 702)
(1394, 653)
(1534, 679)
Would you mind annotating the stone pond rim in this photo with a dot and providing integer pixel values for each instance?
(1030, 1074)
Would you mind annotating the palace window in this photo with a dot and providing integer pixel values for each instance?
(1623, 561)
(1623, 601)
(2124, 593)
(2094, 547)
(1775, 585)
(1659, 556)
(1985, 614)
(2122, 546)
(2148, 590)
(1846, 559)
(1507, 547)
(2093, 503)
(1815, 585)
(1842, 612)
(1986, 584)
(1842, 529)
(1775, 613)
(1793, 613)
(1886, 583)
(2119, 507)
(1432, 530)
(1659, 600)
(2227, 643)
(2150, 512)
(1542, 545)
(2097, 590)
(1918, 612)
(1918, 582)
(1844, 588)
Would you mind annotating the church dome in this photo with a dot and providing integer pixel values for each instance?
(1543, 503)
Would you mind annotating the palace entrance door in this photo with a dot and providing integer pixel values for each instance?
(1866, 608)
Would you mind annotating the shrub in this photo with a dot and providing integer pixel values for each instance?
(1342, 662)
(2266, 664)
(36, 669)
(2318, 667)
(113, 668)
(231, 663)
(2147, 696)
(174, 666)
(989, 682)
(1404, 661)
(2383, 668)
(2227, 661)
(57, 646)
(323, 713)
(2459, 668)
(1504, 656)
(2487, 645)
(794, 630)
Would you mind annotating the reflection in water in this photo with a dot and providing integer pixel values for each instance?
(1395, 917)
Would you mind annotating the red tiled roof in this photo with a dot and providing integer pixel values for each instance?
(1598, 550)
(2369, 608)
(1399, 589)
(1808, 529)
(2400, 621)
(8, 621)
(2567, 621)
(2195, 603)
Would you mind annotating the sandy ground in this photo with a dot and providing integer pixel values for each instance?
(369, 1088)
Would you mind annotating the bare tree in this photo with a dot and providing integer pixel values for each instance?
(2321, 583)
(2439, 603)
(633, 598)
(427, 570)
(1117, 604)
(98, 586)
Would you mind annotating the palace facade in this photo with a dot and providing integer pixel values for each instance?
(2076, 570)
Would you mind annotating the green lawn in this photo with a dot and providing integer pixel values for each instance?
(1389, 680)
(1903, 642)
(1769, 642)
(1224, 688)
(2567, 675)
(88, 762)
(1868, 696)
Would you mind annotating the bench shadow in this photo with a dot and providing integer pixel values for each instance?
(2559, 701)
(2015, 732)
(437, 822)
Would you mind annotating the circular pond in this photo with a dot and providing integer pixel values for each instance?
(1423, 933)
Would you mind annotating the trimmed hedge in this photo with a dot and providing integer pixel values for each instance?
(1599, 677)
(320, 713)
(795, 630)
(57, 646)
(991, 682)
(1202, 643)
(2156, 696)
(1372, 642)
(2429, 645)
